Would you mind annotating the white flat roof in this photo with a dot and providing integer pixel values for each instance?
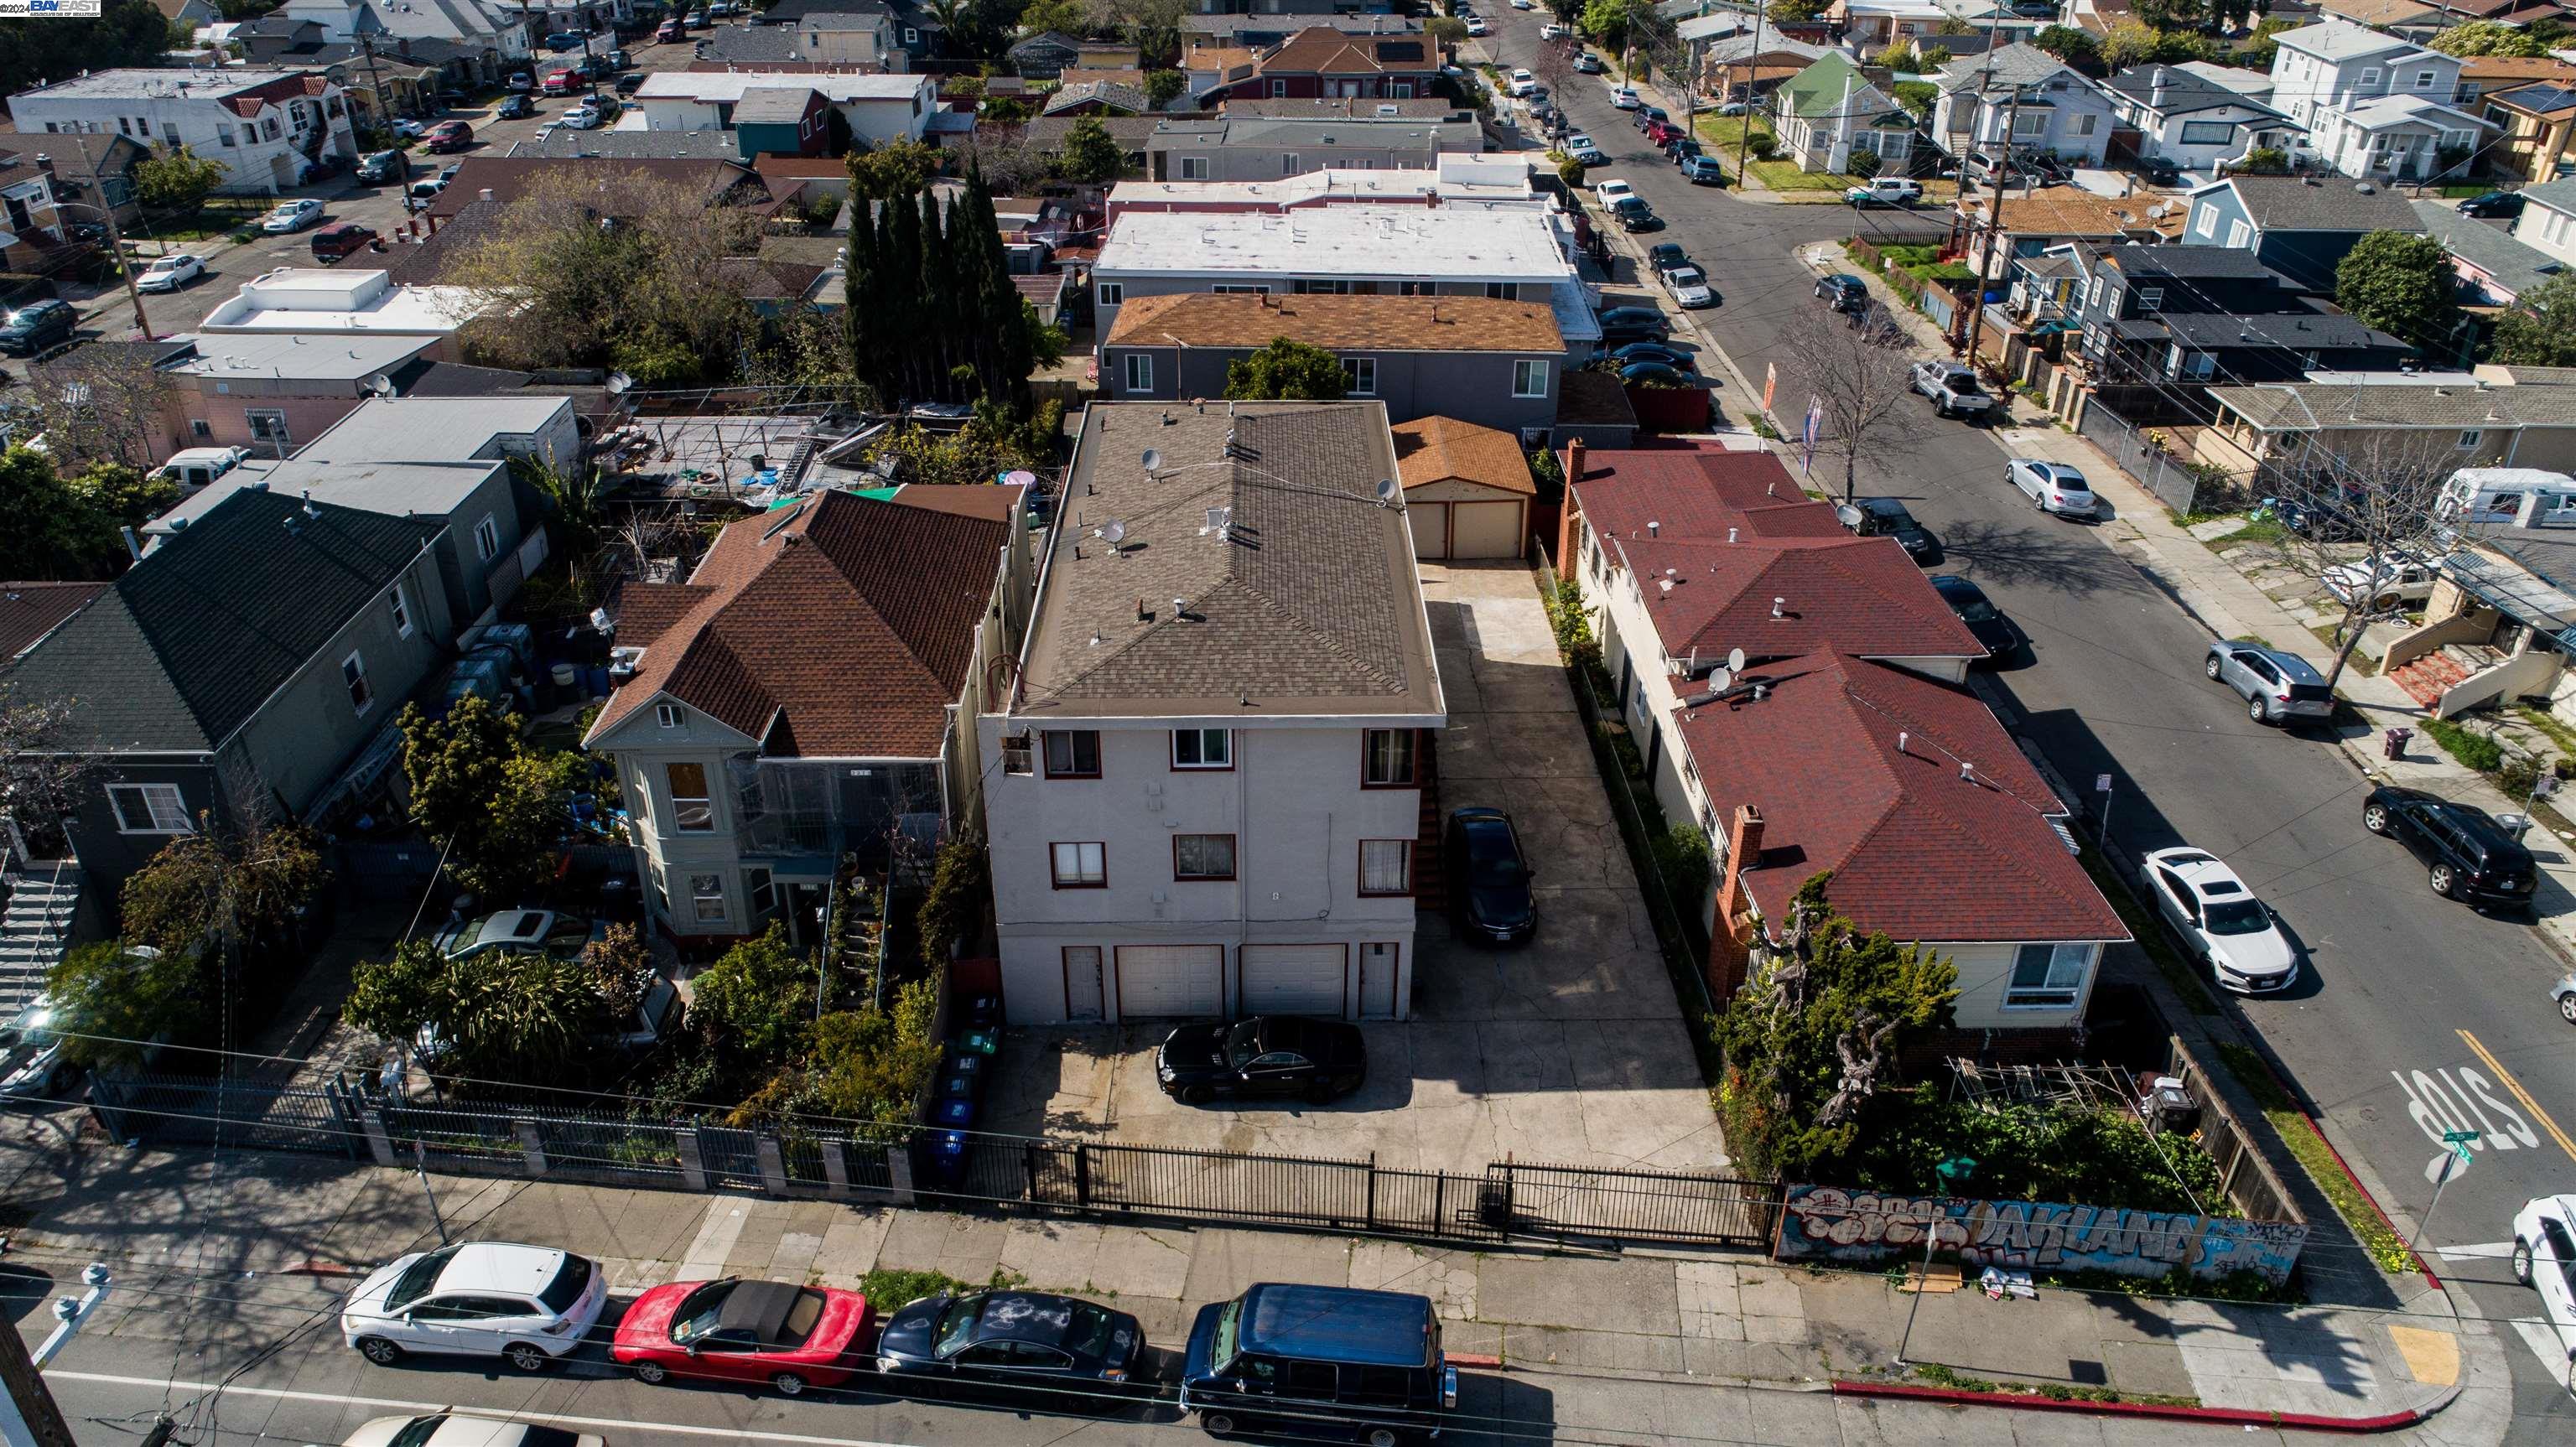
(1400, 241)
(729, 85)
(316, 300)
(302, 355)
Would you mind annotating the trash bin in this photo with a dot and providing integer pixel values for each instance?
(2392, 743)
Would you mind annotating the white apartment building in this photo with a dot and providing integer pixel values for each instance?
(1206, 785)
(2374, 105)
(878, 108)
(266, 124)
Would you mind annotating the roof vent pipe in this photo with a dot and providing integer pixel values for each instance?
(1779, 607)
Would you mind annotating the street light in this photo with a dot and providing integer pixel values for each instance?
(116, 248)
(1951, 1172)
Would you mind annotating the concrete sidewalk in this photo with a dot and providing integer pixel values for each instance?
(248, 1235)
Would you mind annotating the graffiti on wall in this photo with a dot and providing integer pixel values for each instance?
(1833, 1223)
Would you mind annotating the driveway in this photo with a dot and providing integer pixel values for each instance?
(1570, 1049)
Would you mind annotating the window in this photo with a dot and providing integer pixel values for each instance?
(1194, 168)
(2471, 438)
(911, 36)
(1073, 753)
(2083, 126)
(2151, 298)
(669, 715)
(1202, 749)
(401, 612)
(1501, 291)
(693, 809)
(199, 429)
(1278, 88)
(487, 538)
(1112, 293)
(1529, 379)
(763, 892)
(2369, 77)
(2238, 233)
(223, 134)
(2047, 977)
(2098, 284)
(353, 672)
(1401, 90)
(1359, 376)
(1202, 856)
(148, 809)
(1386, 866)
(1241, 288)
(1080, 866)
(268, 427)
(1416, 288)
(2423, 80)
(2031, 123)
(1140, 371)
(1389, 759)
(2208, 133)
(2207, 225)
(1317, 286)
(707, 898)
(1288, 163)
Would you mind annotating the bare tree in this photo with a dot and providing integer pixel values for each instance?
(1858, 372)
(99, 404)
(2353, 518)
(1553, 67)
(40, 770)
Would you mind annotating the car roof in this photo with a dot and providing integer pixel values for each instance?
(2046, 468)
(2292, 666)
(1948, 584)
(2207, 875)
(1032, 1316)
(2477, 821)
(1883, 506)
(1337, 1324)
(500, 1266)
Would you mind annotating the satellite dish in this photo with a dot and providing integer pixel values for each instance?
(2156, 212)
(1847, 515)
(382, 384)
(1386, 489)
(1153, 458)
(1735, 660)
(618, 383)
(1720, 679)
(1114, 531)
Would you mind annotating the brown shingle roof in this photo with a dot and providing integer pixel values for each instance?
(1323, 50)
(29, 611)
(2068, 212)
(2488, 69)
(1337, 323)
(1444, 449)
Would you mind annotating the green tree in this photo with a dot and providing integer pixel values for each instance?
(2540, 331)
(960, 896)
(393, 997)
(1446, 31)
(1284, 371)
(175, 180)
(518, 1019)
(46, 529)
(1089, 155)
(222, 889)
(2404, 285)
(2265, 161)
(872, 1063)
(1917, 96)
(896, 170)
(53, 48)
(1068, 18)
(1610, 21)
(487, 801)
(123, 496)
(576, 501)
(1811, 1036)
(1154, 26)
(754, 1003)
(2486, 37)
(1162, 87)
(112, 1000)
(1796, 12)
(1569, 170)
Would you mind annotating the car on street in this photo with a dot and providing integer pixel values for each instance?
(1845, 291)
(1623, 324)
(1489, 875)
(2385, 580)
(2499, 205)
(341, 239)
(520, 81)
(671, 31)
(520, 932)
(1703, 171)
(1522, 83)
(1658, 134)
(1608, 193)
(1885, 517)
(1952, 389)
(1589, 64)
(2053, 487)
(2278, 687)
(1664, 352)
(2564, 992)
(1986, 623)
(1551, 31)
(2467, 853)
(583, 117)
(1581, 148)
(2221, 921)
(291, 216)
(629, 83)
(464, 1429)
(1017, 1341)
(619, 60)
(1625, 98)
(1633, 214)
(2544, 1259)
(1688, 286)
(169, 273)
(1664, 254)
(427, 188)
(1647, 117)
(1657, 374)
(1524, 4)
(1680, 148)
(562, 82)
(447, 136)
(2157, 171)
(407, 128)
(384, 168)
(1476, 25)
(31, 1054)
(515, 108)
(36, 326)
(563, 40)
(527, 1304)
(790, 1336)
(1885, 191)
(1266, 1055)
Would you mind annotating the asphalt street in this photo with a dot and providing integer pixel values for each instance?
(2416, 1015)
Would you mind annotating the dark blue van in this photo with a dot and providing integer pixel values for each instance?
(1319, 1361)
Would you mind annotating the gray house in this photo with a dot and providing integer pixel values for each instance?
(1262, 148)
(2300, 226)
(237, 669)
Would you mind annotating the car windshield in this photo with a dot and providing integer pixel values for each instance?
(2236, 917)
(700, 1311)
(418, 1278)
(1229, 1327)
(1973, 610)
(1242, 1043)
(567, 1286)
(1089, 1334)
(954, 1324)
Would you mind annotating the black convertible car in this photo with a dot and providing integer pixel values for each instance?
(1265, 1055)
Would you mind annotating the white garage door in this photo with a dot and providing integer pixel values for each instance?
(1293, 980)
(1430, 528)
(1170, 981)
(1485, 530)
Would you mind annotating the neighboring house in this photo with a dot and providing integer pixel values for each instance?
(2496, 628)
(273, 393)
(2055, 217)
(2494, 269)
(326, 304)
(1044, 56)
(1208, 67)
(1874, 25)
(330, 619)
(1497, 180)
(266, 126)
(2548, 219)
(2400, 137)
(1131, 134)
(32, 231)
(2190, 121)
(2410, 20)
(1827, 111)
(2299, 429)
(1210, 783)
(1467, 489)
(1507, 254)
(2373, 104)
(870, 109)
(2254, 85)
(1324, 61)
(746, 142)
(2211, 315)
(1258, 148)
(195, 14)
(1097, 98)
(2485, 75)
(2539, 131)
(89, 171)
(1749, 68)
(852, 34)
(2300, 226)
(1493, 363)
(2021, 98)
(472, 42)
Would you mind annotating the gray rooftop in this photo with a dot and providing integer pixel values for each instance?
(772, 103)
(2516, 267)
(2182, 90)
(743, 44)
(1359, 131)
(2341, 40)
(396, 489)
(2295, 331)
(1303, 601)
(2295, 406)
(2333, 203)
(2018, 64)
(2559, 195)
(636, 145)
(1108, 92)
(184, 84)
(2212, 263)
(1338, 108)
(336, 358)
(430, 429)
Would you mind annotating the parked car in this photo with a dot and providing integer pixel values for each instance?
(1657, 374)
(1551, 31)
(618, 59)
(1986, 623)
(671, 31)
(1273, 1055)
(790, 1336)
(340, 239)
(1319, 1359)
(1633, 214)
(384, 167)
(407, 128)
(2544, 1259)
(1489, 876)
(629, 83)
(563, 40)
(427, 188)
(1658, 133)
(31, 1054)
(37, 326)
(1688, 286)
(2053, 487)
(169, 273)
(520, 81)
(1609, 193)
(583, 117)
(1680, 148)
(2467, 854)
(595, 67)
(196, 467)
(1953, 389)
(1885, 517)
(447, 136)
(1885, 191)
(1521, 82)
(562, 82)
(1476, 25)
(463, 1429)
(1019, 1341)
(2157, 171)
(2278, 687)
(1664, 352)
(516, 108)
(1625, 98)
(1844, 291)
(1665, 254)
(2221, 921)
(2385, 580)
(520, 932)
(529, 1304)
(291, 216)
(2564, 992)
(1703, 171)
(1581, 148)
(1648, 116)
(1621, 324)
(1590, 64)
(2499, 205)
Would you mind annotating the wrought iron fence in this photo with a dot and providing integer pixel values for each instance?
(2175, 485)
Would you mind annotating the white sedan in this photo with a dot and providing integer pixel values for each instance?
(1625, 98)
(292, 216)
(583, 117)
(1550, 31)
(1609, 192)
(530, 1304)
(1476, 25)
(170, 273)
(2053, 487)
(2544, 1259)
(2222, 921)
(2386, 580)
(458, 1429)
(1689, 287)
(409, 129)
(1524, 4)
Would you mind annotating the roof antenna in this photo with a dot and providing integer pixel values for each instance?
(309, 509)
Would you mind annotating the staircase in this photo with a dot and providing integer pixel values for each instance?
(2427, 678)
(35, 931)
(1430, 876)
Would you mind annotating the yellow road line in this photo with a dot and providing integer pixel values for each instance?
(2521, 1094)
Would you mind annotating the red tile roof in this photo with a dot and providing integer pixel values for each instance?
(285, 87)
(1323, 50)
(844, 630)
(1697, 491)
(1917, 850)
(1856, 595)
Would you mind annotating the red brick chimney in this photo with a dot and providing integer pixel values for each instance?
(1726, 953)
(1566, 562)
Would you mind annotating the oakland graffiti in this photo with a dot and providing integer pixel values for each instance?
(1831, 1223)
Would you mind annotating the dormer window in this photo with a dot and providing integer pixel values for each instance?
(669, 715)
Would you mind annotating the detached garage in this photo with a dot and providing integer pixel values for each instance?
(1467, 489)
(1171, 982)
(1296, 980)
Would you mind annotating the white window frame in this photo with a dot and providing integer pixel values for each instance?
(2369, 76)
(1112, 293)
(2207, 225)
(705, 802)
(164, 811)
(1525, 369)
(2052, 991)
(2424, 79)
(353, 676)
(2238, 233)
(760, 889)
(709, 906)
(487, 538)
(1139, 371)
(401, 612)
(1200, 739)
(1359, 376)
(669, 715)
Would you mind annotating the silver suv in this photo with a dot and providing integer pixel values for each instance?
(1953, 389)
(2277, 687)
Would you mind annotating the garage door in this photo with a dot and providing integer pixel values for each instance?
(1430, 528)
(1485, 530)
(1293, 980)
(1170, 981)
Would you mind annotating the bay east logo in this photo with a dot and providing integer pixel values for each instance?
(68, 9)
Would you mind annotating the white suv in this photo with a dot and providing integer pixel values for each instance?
(2544, 1259)
(530, 1304)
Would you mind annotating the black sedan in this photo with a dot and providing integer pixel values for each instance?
(2500, 205)
(1984, 621)
(1018, 1341)
(1265, 1055)
(1489, 876)
(1664, 352)
(1622, 324)
(1885, 517)
(2467, 854)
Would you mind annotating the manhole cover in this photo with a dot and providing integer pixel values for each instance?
(2368, 1113)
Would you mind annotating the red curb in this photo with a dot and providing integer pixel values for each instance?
(2423, 1260)
(2236, 1416)
(1473, 1359)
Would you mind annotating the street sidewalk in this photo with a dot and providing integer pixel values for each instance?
(243, 1233)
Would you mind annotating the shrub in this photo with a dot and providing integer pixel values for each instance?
(1862, 165)
(2475, 750)
(1764, 147)
(1683, 862)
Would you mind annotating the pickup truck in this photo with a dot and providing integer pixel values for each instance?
(1953, 389)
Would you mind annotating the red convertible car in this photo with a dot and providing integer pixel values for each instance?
(791, 1337)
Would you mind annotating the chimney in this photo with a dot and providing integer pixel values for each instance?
(1574, 461)
(485, 194)
(2158, 91)
(1654, 529)
(44, 163)
(133, 547)
(1726, 958)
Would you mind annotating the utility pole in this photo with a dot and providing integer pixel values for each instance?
(29, 1416)
(1752, 72)
(1995, 203)
(376, 87)
(116, 248)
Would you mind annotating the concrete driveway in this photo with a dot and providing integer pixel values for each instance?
(1570, 1049)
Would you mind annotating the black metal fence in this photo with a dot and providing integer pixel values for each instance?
(2175, 485)
(925, 1166)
